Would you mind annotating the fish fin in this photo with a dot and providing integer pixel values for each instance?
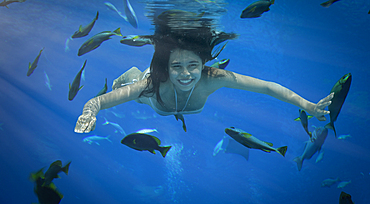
(81, 87)
(331, 126)
(107, 138)
(253, 9)
(90, 41)
(156, 140)
(297, 119)
(97, 15)
(269, 144)
(272, 2)
(151, 151)
(309, 116)
(326, 4)
(265, 150)
(117, 32)
(246, 135)
(164, 150)
(37, 175)
(299, 162)
(106, 121)
(282, 150)
(56, 163)
(65, 169)
(134, 141)
(80, 28)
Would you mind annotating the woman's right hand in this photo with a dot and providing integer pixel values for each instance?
(85, 123)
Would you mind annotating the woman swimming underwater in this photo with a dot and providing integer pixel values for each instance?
(178, 82)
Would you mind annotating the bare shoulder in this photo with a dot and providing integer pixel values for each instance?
(214, 78)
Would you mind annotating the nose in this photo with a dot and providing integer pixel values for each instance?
(185, 72)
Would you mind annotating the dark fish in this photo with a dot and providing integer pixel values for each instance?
(252, 142)
(7, 2)
(104, 90)
(221, 64)
(328, 3)
(32, 67)
(345, 198)
(256, 9)
(53, 171)
(304, 120)
(144, 142)
(136, 40)
(181, 117)
(47, 194)
(96, 40)
(75, 87)
(84, 31)
(340, 91)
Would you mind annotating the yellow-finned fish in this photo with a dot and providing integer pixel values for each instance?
(53, 171)
(32, 67)
(7, 2)
(145, 142)
(75, 87)
(84, 31)
(257, 8)
(328, 3)
(95, 41)
(304, 120)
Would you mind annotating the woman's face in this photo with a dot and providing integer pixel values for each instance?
(185, 69)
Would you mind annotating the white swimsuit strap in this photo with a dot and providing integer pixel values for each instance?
(186, 100)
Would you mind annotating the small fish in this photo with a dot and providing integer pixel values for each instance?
(32, 67)
(113, 8)
(95, 138)
(145, 131)
(83, 75)
(181, 117)
(1, 124)
(136, 40)
(118, 127)
(234, 147)
(252, 142)
(53, 171)
(95, 41)
(328, 3)
(47, 81)
(219, 147)
(343, 184)
(75, 87)
(130, 13)
(84, 31)
(329, 182)
(144, 142)
(319, 136)
(340, 91)
(7, 2)
(221, 64)
(368, 12)
(118, 115)
(343, 137)
(304, 120)
(256, 9)
(104, 89)
(345, 198)
(66, 45)
(320, 156)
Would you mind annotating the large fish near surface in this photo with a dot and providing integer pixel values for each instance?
(95, 41)
(144, 142)
(319, 136)
(46, 194)
(84, 31)
(32, 67)
(75, 87)
(130, 13)
(256, 9)
(7, 2)
(137, 40)
(252, 142)
(328, 3)
(340, 91)
(345, 198)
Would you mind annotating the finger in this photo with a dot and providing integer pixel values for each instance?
(322, 118)
(324, 104)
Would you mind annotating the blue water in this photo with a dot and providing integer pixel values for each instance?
(298, 44)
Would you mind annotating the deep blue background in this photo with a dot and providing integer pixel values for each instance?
(298, 44)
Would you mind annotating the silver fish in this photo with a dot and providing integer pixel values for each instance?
(320, 156)
(130, 13)
(218, 147)
(117, 126)
(343, 137)
(95, 138)
(113, 8)
(343, 184)
(145, 131)
(47, 81)
(329, 182)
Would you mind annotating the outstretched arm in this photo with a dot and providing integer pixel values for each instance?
(238, 81)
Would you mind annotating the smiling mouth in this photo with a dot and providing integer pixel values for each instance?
(185, 82)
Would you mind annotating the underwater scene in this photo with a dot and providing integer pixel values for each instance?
(251, 102)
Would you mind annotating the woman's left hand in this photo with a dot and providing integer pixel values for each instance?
(319, 109)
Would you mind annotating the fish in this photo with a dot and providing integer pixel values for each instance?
(329, 182)
(145, 142)
(343, 137)
(320, 156)
(343, 184)
(136, 40)
(252, 142)
(304, 120)
(95, 41)
(326, 4)
(66, 45)
(257, 8)
(32, 67)
(117, 126)
(219, 147)
(95, 138)
(340, 91)
(113, 8)
(75, 87)
(181, 117)
(221, 64)
(47, 81)
(84, 31)
(345, 198)
(83, 75)
(234, 147)
(130, 13)
(145, 131)
(5, 3)
(46, 194)
(53, 171)
(319, 136)
(104, 89)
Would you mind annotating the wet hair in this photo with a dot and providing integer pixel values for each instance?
(201, 40)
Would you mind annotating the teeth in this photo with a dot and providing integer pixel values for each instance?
(185, 81)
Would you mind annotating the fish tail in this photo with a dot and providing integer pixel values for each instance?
(97, 15)
(65, 169)
(107, 138)
(106, 121)
(164, 150)
(331, 126)
(299, 162)
(117, 32)
(282, 150)
(272, 2)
